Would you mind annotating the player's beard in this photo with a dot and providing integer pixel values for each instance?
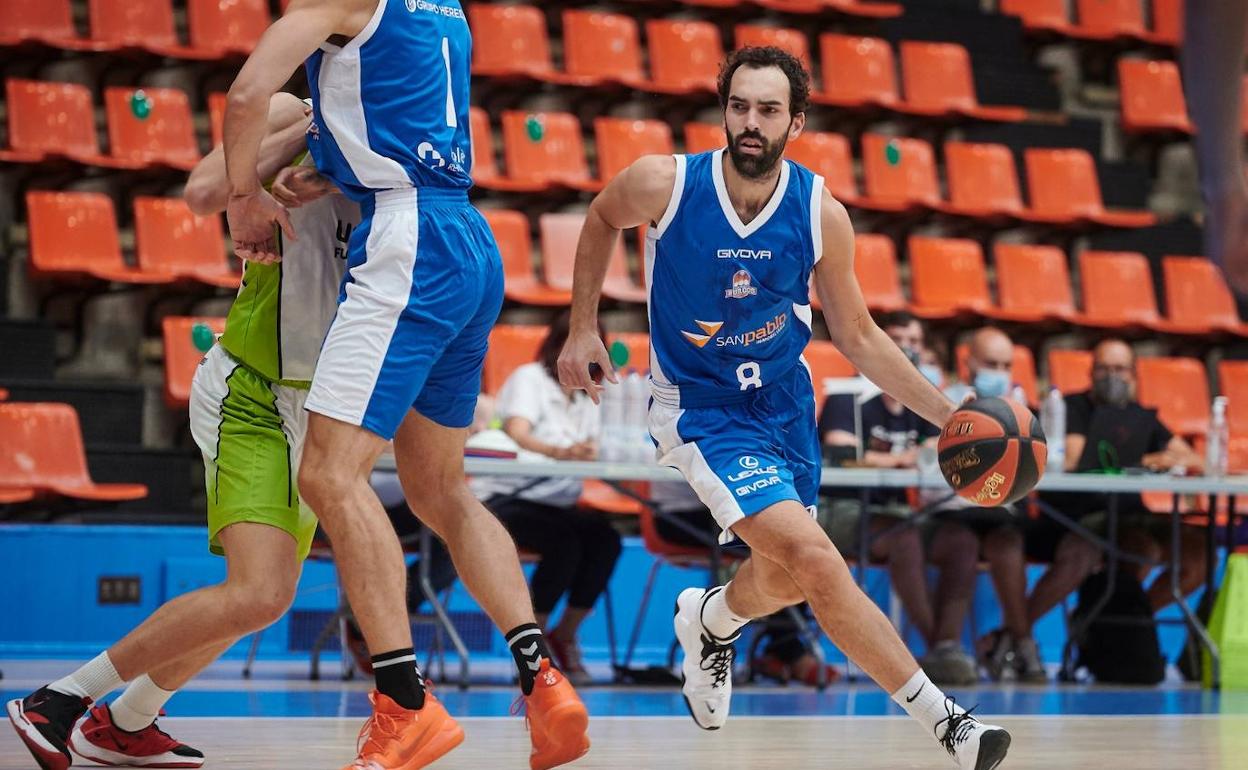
(756, 166)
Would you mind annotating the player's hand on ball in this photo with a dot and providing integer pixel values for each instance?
(583, 349)
(252, 218)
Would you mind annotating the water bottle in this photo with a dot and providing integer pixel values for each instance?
(610, 445)
(1053, 422)
(1216, 441)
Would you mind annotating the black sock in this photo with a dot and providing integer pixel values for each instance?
(529, 647)
(399, 679)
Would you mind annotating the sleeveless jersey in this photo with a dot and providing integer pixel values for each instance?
(729, 303)
(390, 108)
(279, 318)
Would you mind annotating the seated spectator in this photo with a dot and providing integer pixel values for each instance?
(577, 548)
(1108, 430)
(890, 438)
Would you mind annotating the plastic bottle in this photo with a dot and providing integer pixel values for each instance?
(1217, 439)
(1053, 422)
(610, 445)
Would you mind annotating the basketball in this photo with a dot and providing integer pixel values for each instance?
(992, 451)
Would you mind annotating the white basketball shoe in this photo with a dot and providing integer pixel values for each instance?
(972, 744)
(707, 666)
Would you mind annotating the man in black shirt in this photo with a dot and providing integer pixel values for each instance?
(1108, 430)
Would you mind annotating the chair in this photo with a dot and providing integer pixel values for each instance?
(684, 56)
(226, 27)
(1022, 370)
(1040, 15)
(165, 137)
(511, 346)
(875, 265)
(46, 454)
(602, 48)
(559, 234)
(485, 171)
(899, 173)
(1198, 301)
(74, 235)
(983, 181)
(638, 345)
(182, 356)
(791, 40)
(1152, 96)
(145, 25)
(50, 22)
(1033, 283)
(1070, 371)
(870, 10)
(1117, 290)
(825, 362)
(511, 230)
(947, 277)
(828, 155)
(50, 119)
(216, 118)
(937, 81)
(1063, 188)
(546, 149)
(857, 72)
(510, 41)
(1233, 383)
(1167, 26)
(623, 140)
(1178, 388)
(170, 238)
(704, 137)
(1110, 19)
(13, 495)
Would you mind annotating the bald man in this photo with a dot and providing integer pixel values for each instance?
(1107, 429)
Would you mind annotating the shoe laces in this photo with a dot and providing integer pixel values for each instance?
(717, 660)
(376, 732)
(959, 725)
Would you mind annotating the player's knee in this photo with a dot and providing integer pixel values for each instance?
(812, 562)
(259, 605)
(322, 483)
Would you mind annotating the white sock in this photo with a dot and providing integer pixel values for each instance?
(925, 703)
(139, 705)
(94, 680)
(718, 618)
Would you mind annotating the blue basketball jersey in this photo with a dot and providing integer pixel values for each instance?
(390, 108)
(729, 302)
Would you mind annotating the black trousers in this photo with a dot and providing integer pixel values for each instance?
(578, 550)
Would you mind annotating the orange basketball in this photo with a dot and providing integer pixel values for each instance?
(992, 451)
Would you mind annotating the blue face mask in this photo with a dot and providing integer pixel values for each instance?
(991, 383)
(933, 374)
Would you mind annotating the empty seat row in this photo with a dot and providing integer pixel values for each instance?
(1152, 98)
(1103, 20)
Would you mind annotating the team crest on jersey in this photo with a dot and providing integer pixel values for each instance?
(700, 340)
(741, 286)
(411, 6)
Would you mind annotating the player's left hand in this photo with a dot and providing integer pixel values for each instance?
(583, 348)
(252, 217)
(295, 186)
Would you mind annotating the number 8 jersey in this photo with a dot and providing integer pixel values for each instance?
(729, 302)
(390, 108)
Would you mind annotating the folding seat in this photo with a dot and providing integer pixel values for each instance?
(1152, 96)
(875, 265)
(50, 120)
(511, 230)
(871, 10)
(50, 22)
(948, 277)
(1063, 188)
(1233, 383)
(163, 137)
(170, 238)
(1167, 27)
(1070, 371)
(828, 155)
(511, 346)
(1198, 301)
(684, 55)
(826, 361)
(937, 81)
(510, 41)
(638, 345)
(983, 181)
(1109, 19)
(559, 234)
(1117, 291)
(182, 355)
(1033, 283)
(216, 118)
(857, 72)
(1022, 370)
(1178, 388)
(703, 137)
(47, 454)
(602, 48)
(1040, 15)
(792, 6)
(899, 172)
(546, 150)
(623, 140)
(74, 235)
(791, 40)
(485, 171)
(226, 27)
(145, 25)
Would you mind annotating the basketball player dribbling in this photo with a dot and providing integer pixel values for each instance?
(733, 239)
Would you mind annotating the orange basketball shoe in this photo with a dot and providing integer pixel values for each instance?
(395, 738)
(557, 718)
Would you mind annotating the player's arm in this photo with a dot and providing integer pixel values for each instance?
(640, 194)
(208, 187)
(853, 330)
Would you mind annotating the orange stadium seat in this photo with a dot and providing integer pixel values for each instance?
(511, 346)
(909, 182)
(638, 344)
(545, 149)
(623, 140)
(42, 21)
(857, 72)
(875, 265)
(1152, 96)
(602, 48)
(559, 233)
(182, 356)
(50, 119)
(1022, 370)
(937, 81)
(216, 118)
(1109, 19)
(74, 234)
(49, 456)
(1070, 371)
(703, 137)
(1167, 28)
(146, 25)
(1039, 15)
(826, 361)
(791, 6)
(1033, 283)
(684, 55)
(828, 155)
(511, 230)
(791, 40)
(485, 171)
(1178, 388)
(169, 238)
(1198, 301)
(510, 41)
(947, 277)
(226, 27)
(166, 137)
(1233, 383)
(868, 9)
(1063, 188)
(1117, 290)
(983, 180)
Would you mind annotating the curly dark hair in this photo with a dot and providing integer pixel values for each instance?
(759, 57)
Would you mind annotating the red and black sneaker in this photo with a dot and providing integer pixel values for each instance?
(43, 721)
(96, 738)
